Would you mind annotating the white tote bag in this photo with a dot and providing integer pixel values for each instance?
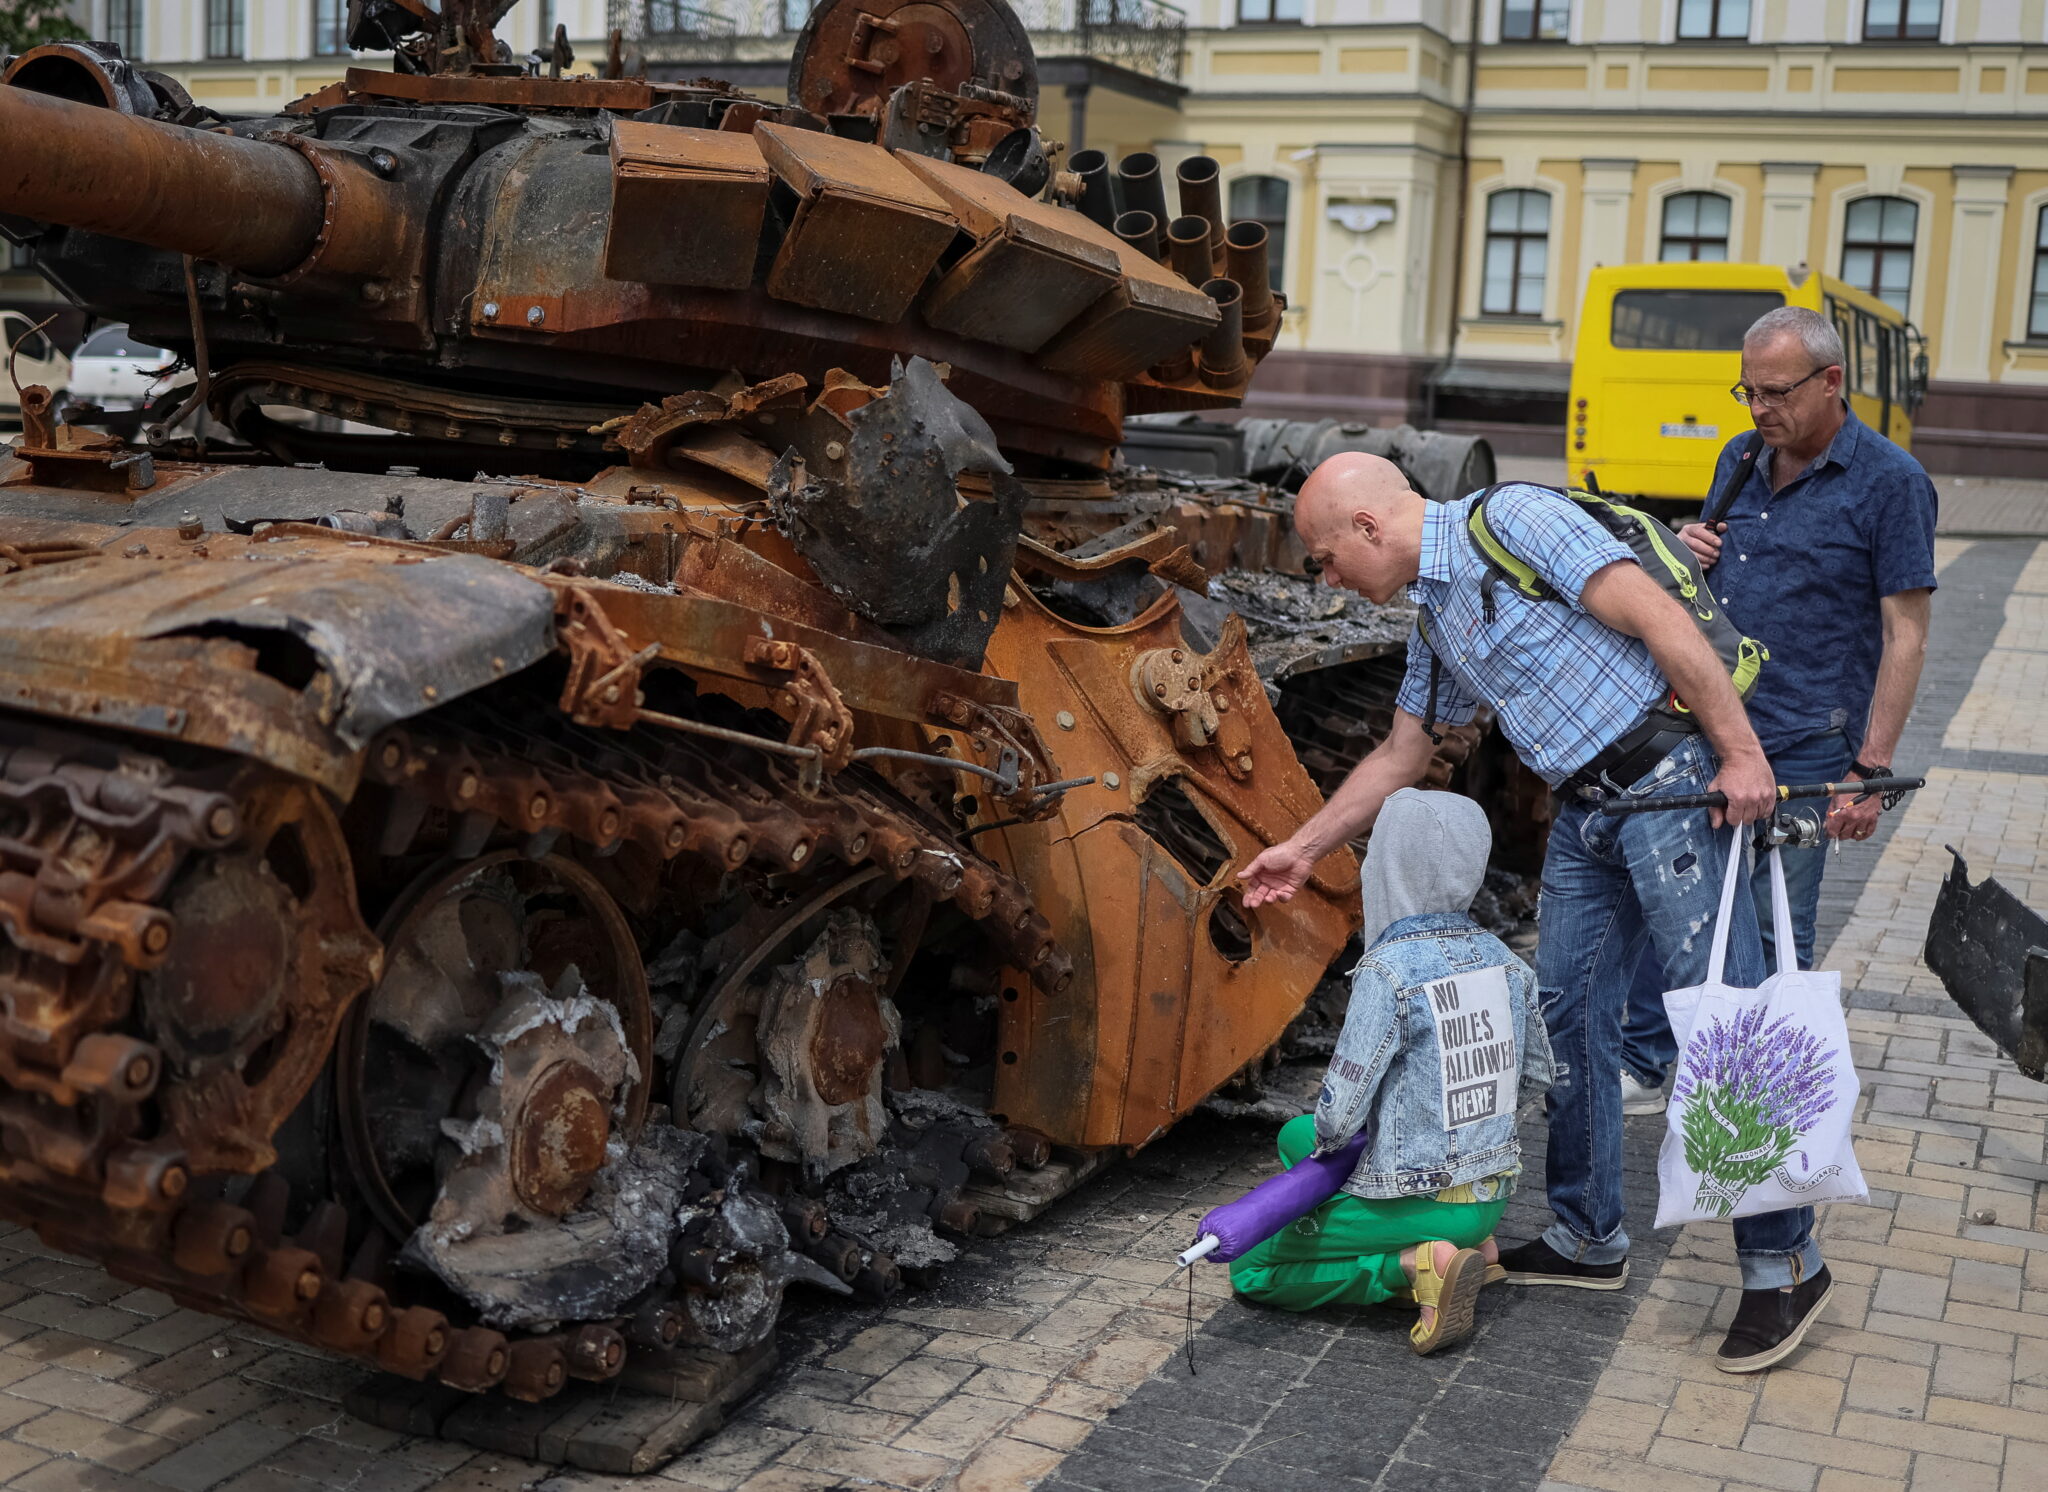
(1764, 1087)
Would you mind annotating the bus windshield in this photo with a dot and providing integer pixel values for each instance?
(1688, 320)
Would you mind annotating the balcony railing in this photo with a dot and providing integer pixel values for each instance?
(670, 31)
(1145, 36)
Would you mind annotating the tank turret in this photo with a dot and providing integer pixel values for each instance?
(602, 241)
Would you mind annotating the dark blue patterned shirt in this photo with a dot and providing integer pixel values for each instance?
(1802, 571)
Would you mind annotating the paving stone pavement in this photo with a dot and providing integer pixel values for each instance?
(1055, 1356)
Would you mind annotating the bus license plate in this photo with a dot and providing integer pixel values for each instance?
(1693, 432)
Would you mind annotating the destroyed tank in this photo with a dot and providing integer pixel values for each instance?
(652, 765)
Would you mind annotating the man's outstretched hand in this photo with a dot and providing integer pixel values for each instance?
(1276, 875)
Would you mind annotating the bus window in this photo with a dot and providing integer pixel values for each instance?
(1844, 319)
(1869, 369)
(1688, 320)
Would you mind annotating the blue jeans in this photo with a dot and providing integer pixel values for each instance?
(1611, 887)
(1821, 758)
(1647, 1046)
(1647, 1049)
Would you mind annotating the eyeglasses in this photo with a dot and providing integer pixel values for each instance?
(1768, 398)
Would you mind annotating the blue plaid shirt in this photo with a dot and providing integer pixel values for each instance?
(1563, 684)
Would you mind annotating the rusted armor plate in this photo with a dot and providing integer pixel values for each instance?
(372, 630)
(686, 205)
(1028, 275)
(1180, 986)
(865, 232)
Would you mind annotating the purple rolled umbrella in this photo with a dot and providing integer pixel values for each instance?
(1236, 1228)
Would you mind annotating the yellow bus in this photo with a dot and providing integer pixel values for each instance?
(1660, 346)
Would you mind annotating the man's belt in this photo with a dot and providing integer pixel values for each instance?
(1626, 762)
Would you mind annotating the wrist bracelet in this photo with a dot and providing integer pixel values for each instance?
(1864, 769)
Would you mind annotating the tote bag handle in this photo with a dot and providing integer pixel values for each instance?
(1718, 957)
(1781, 916)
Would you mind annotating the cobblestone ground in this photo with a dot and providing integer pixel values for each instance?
(1056, 1355)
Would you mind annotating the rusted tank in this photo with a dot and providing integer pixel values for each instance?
(683, 778)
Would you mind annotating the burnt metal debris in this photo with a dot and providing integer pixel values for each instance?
(1990, 951)
(656, 764)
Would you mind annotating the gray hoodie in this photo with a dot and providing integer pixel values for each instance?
(1428, 854)
(1443, 1039)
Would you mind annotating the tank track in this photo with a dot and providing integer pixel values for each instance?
(122, 1147)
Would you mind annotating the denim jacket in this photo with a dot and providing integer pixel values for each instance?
(1424, 1062)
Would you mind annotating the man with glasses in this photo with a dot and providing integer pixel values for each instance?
(1822, 547)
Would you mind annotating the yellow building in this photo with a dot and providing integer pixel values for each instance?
(1438, 195)
(1896, 143)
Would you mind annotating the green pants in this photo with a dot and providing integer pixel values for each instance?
(1348, 1251)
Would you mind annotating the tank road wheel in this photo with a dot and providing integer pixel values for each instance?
(478, 1009)
(799, 1027)
(270, 951)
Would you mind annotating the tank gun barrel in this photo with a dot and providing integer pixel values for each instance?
(251, 204)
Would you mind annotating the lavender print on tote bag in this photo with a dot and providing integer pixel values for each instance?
(1760, 1108)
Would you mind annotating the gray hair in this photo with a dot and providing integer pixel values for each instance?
(1815, 332)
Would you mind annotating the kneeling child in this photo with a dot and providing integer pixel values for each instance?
(1442, 1044)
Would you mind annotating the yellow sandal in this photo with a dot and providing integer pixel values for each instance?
(1454, 1294)
(1495, 1273)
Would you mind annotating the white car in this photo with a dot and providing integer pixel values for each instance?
(36, 360)
(115, 371)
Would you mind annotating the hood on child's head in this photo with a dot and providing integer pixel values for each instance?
(1428, 854)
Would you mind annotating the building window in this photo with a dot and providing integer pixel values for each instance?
(1695, 228)
(1877, 248)
(1266, 12)
(224, 28)
(1535, 20)
(2037, 311)
(330, 28)
(124, 26)
(1713, 20)
(1517, 254)
(1902, 20)
(1263, 199)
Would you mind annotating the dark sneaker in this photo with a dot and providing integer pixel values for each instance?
(1537, 1263)
(1769, 1324)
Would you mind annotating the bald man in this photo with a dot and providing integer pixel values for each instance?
(1582, 687)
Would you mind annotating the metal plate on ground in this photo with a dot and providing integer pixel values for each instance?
(661, 1405)
(1027, 1193)
(1990, 951)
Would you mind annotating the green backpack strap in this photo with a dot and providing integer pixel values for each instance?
(1502, 563)
(1660, 552)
